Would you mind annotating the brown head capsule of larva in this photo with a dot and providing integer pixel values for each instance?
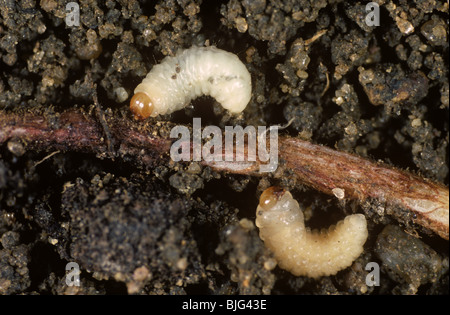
(141, 105)
(270, 196)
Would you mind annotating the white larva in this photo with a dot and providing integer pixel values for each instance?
(193, 72)
(298, 249)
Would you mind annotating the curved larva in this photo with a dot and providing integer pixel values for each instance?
(196, 71)
(298, 249)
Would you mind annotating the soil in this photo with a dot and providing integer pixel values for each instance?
(381, 92)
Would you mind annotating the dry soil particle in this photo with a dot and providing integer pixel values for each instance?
(14, 260)
(392, 87)
(349, 51)
(275, 22)
(117, 226)
(243, 253)
(408, 260)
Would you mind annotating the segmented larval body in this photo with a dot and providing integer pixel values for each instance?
(193, 72)
(298, 249)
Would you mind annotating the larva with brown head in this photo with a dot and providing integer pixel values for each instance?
(298, 249)
(193, 72)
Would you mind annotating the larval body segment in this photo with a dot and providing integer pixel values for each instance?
(193, 72)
